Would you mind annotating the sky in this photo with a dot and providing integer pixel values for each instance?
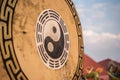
(100, 21)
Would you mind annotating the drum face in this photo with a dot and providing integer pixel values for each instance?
(40, 40)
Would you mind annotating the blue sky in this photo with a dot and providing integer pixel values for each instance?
(100, 21)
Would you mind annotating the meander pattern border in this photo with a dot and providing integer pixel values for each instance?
(7, 51)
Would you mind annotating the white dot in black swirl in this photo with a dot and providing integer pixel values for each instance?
(52, 39)
(50, 47)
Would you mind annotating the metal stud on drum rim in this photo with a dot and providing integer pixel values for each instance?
(20, 40)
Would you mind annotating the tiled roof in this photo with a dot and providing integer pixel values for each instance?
(105, 63)
(89, 62)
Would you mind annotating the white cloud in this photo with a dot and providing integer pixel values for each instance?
(100, 16)
(102, 45)
(99, 27)
(89, 15)
(109, 39)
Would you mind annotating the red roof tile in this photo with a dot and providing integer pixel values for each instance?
(106, 62)
(89, 62)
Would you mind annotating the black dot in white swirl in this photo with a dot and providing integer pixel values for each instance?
(52, 39)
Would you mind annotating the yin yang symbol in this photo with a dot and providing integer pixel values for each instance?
(52, 39)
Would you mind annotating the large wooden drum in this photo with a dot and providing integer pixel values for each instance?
(40, 40)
